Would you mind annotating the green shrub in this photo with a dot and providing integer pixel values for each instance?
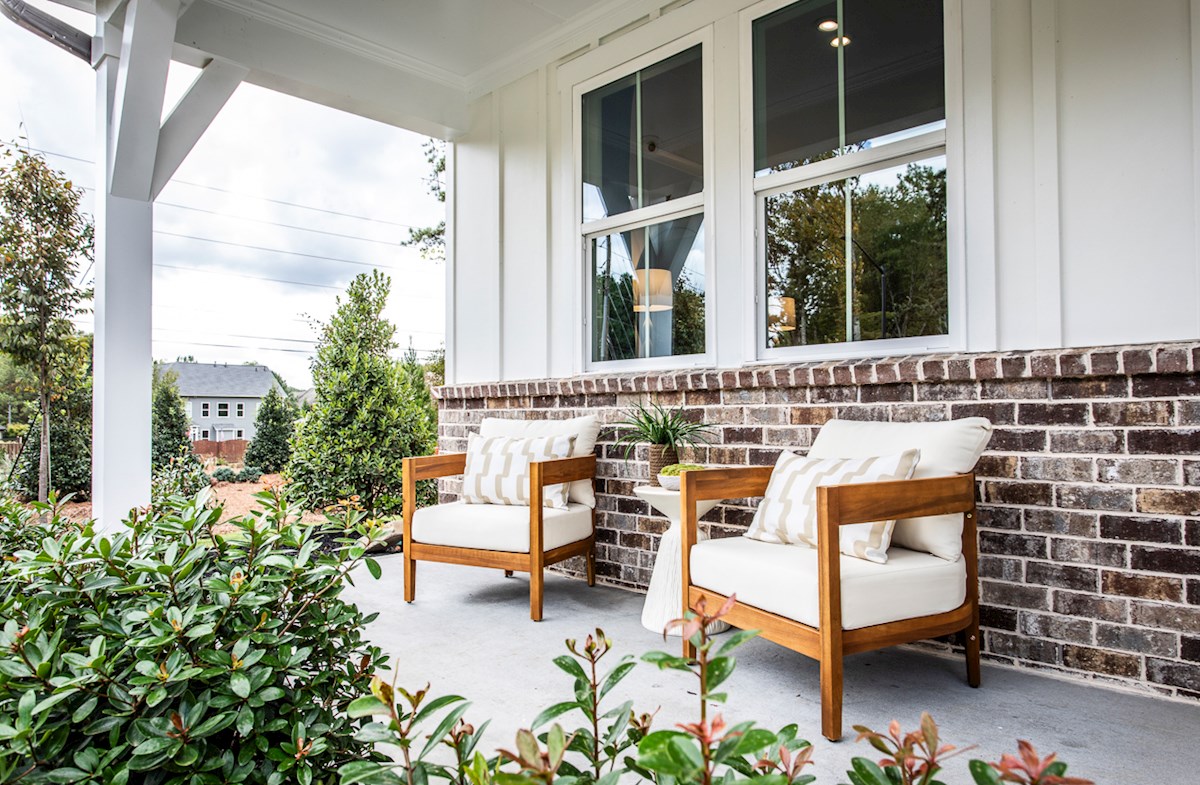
(224, 474)
(70, 434)
(168, 420)
(183, 476)
(370, 412)
(249, 474)
(274, 427)
(164, 654)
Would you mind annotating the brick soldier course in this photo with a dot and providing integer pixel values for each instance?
(1089, 492)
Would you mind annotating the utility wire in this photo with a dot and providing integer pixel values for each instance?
(236, 193)
(274, 250)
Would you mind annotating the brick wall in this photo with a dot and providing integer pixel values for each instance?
(1089, 493)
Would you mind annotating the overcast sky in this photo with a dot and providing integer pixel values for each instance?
(272, 174)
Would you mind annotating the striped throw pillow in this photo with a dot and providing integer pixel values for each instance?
(497, 470)
(788, 511)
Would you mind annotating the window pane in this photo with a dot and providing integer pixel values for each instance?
(648, 291)
(891, 224)
(643, 138)
(822, 83)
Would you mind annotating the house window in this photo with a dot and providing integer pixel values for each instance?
(204, 434)
(643, 205)
(222, 410)
(850, 171)
(241, 410)
(239, 431)
(204, 411)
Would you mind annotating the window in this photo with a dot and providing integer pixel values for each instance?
(850, 171)
(643, 212)
(222, 410)
(241, 410)
(204, 411)
(204, 434)
(239, 430)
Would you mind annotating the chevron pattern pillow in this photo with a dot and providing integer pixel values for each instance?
(788, 511)
(497, 470)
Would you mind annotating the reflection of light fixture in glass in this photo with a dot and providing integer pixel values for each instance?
(840, 41)
(781, 314)
(828, 26)
(651, 290)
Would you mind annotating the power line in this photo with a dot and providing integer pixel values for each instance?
(275, 250)
(249, 277)
(244, 195)
(394, 243)
(266, 348)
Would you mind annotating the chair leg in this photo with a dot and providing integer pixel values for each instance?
(831, 698)
(535, 593)
(591, 566)
(410, 576)
(973, 672)
(508, 573)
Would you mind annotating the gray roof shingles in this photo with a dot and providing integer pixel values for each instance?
(218, 380)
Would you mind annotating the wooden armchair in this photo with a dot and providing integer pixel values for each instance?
(510, 538)
(834, 578)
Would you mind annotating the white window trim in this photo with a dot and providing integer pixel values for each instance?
(226, 405)
(947, 142)
(205, 409)
(240, 410)
(646, 215)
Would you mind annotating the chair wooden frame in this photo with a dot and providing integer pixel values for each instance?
(840, 505)
(541, 474)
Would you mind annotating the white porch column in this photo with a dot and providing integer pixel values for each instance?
(135, 160)
(124, 284)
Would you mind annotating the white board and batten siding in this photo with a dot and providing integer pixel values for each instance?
(1073, 139)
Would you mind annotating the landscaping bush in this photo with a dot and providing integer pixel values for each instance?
(274, 427)
(168, 420)
(163, 654)
(70, 433)
(183, 476)
(224, 474)
(249, 474)
(370, 412)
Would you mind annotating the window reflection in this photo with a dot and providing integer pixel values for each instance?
(648, 291)
(858, 259)
(643, 138)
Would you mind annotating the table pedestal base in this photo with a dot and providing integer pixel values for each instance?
(664, 598)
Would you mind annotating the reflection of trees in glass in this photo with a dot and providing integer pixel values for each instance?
(687, 316)
(898, 236)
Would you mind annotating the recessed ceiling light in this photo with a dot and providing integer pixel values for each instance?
(843, 41)
(828, 26)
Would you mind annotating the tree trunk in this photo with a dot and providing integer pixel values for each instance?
(44, 453)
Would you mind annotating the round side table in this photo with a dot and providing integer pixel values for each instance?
(665, 595)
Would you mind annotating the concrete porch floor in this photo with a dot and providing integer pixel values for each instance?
(469, 633)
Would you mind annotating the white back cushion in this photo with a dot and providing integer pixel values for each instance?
(585, 430)
(497, 470)
(788, 511)
(950, 447)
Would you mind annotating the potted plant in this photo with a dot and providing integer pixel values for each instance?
(669, 477)
(665, 430)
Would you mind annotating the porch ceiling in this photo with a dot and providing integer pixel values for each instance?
(411, 63)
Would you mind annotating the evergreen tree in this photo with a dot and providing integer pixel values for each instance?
(369, 411)
(169, 421)
(274, 427)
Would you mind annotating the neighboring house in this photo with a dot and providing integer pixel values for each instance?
(773, 213)
(222, 400)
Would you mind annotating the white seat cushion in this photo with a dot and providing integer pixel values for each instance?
(782, 579)
(585, 430)
(498, 527)
(949, 447)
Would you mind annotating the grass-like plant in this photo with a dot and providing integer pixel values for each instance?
(654, 424)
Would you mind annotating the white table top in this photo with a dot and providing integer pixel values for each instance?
(668, 502)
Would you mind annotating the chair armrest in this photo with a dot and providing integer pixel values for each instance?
(429, 467)
(559, 470)
(863, 502)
